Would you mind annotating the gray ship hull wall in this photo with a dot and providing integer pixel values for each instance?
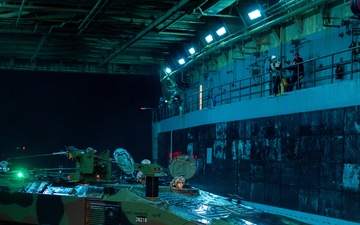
(306, 160)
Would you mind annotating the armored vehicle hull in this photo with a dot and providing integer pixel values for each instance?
(40, 202)
(84, 198)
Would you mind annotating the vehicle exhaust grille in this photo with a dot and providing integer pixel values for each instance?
(103, 213)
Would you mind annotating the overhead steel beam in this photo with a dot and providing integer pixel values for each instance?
(144, 32)
(20, 12)
(100, 6)
(42, 41)
(91, 14)
(243, 34)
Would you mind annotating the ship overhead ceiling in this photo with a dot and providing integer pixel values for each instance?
(110, 36)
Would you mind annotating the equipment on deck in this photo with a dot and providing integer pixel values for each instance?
(90, 194)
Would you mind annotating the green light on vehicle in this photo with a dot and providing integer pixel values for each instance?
(20, 174)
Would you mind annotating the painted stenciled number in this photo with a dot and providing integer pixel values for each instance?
(141, 219)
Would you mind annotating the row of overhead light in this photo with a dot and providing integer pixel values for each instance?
(209, 38)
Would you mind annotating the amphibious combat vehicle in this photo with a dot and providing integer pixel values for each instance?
(90, 194)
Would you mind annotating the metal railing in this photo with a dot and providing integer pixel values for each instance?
(324, 70)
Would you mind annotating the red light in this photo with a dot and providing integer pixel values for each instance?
(173, 155)
(23, 148)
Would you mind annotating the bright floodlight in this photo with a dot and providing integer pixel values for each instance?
(192, 50)
(209, 38)
(254, 14)
(181, 61)
(221, 31)
(168, 70)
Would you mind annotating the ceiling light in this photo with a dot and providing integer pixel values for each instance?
(221, 31)
(181, 61)
(191, 50)
(168, 70)
(254, 14)
(209, 38)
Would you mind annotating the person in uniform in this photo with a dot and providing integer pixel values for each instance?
(298, 72)
(178, 182)
(275, 71)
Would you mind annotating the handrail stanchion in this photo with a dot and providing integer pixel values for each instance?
(332, 68)
(230, 92)
(250, 89)
(221, 93)
(240, 88)
(261, 84)
(314, 74)
(352, 65)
